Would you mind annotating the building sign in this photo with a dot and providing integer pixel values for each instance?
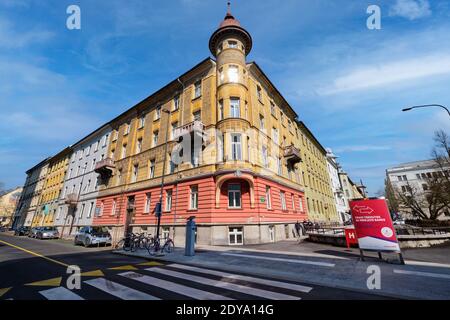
(373, 225)
(262, 199)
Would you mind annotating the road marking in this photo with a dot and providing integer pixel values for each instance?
(423, 274)
(119, 290)
(35, 253)
(4, 290)
(60, 293)
(226, 285)
(124, 268)
(151, 264)
(322, 264)
(54, 282)
(227, 275)
(174, 287)
(95, 273)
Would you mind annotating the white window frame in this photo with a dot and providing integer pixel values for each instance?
(168, 202)
(234, 197)
(235, 107)
(197, 89)
(268, 197)
(193, 197)
(233, 73)
(236, 147)
(134, 174)
(283, 200)
(151, 169)
(148, 202)
(235, 232)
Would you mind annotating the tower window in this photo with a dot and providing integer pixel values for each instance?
(235, 108)
(232, 44)
(198, 89)
(236, 147)
(233, 73)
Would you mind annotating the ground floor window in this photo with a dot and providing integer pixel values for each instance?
(165, 232)
(272, 233)
(236, 235)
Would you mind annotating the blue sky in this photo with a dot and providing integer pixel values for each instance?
(347, 83)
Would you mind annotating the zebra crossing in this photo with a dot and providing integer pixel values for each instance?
(176, 281)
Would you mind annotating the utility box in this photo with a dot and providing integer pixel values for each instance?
(191, 228)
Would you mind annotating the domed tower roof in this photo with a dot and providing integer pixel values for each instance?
(230, 26)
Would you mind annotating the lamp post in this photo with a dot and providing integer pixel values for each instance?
(158, 214)
(426, 106)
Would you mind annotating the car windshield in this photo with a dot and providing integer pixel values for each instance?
(99, 230)
(48, 229)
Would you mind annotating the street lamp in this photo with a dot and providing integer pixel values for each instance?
(158, 210)
(426, 106)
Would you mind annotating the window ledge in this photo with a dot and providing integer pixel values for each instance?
(196, 98)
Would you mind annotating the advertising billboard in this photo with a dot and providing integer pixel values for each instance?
(373, 225)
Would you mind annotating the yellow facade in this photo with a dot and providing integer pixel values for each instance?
(318, 190)
(51, 190)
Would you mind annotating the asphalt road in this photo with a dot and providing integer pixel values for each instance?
(32, 269)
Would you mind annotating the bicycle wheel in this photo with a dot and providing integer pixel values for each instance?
(120, 245)
(168, 247)
(127, 244)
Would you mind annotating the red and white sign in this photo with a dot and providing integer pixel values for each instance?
(373, 225)
(350, 237)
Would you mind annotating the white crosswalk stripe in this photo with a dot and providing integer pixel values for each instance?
(226, 285)
(60, 293)
(118, 290)
(273, 283)
(174, 287)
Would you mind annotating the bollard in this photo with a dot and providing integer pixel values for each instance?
(190, 237)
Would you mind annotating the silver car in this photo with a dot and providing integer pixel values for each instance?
(34, 231)
(47, 233)
(92, 236)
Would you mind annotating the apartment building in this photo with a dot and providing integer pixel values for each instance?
(76, 204)
(342, 205)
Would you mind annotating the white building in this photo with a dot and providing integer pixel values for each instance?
(415, 175)
(341, 201)
(76, 207)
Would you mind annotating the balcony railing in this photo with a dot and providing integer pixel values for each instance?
(292, 154)
(195, 126)
(71, 199)
(105, 167)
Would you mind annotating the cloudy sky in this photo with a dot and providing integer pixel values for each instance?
(347, 83)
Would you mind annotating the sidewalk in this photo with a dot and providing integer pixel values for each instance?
(321, 265)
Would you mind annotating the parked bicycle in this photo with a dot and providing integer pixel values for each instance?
(156, 247)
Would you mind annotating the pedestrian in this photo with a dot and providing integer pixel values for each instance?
(297, 228)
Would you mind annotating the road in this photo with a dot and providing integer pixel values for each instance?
(32, 269)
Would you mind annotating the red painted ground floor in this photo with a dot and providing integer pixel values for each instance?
(229, 209)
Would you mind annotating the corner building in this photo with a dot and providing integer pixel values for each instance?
(239, 140)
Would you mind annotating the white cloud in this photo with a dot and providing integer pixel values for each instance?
(411, 9)
(384, 74)
(12, 39)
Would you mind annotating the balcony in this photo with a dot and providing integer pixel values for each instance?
(131, 207)
(105, 167)
(292, 154)
(196, 126)
(71, 199)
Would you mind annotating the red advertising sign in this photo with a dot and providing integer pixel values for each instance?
(350, 237)
(373, 225)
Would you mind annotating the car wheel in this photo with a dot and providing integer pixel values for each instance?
(87, 242)
(75, 241)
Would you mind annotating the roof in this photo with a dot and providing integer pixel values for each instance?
(40, 164)
(414, 165)
(301, 123)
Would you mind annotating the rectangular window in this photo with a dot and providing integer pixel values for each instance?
(151, 169)
(100, 211)
(124, 151)
(105, 140)
(275, 136)
(259, 93)
(279, 166)
(148, 202)
(113, 209)
(272, 233)
(141, 122)
(91, 207)
(127, 129)
(193, 198)
(139, 146)
(300, 203)
(155, 138)
(265, 157)
(220, 110)
(168, 200)
(234, 196)
(119, 176)
(176, 102)
(236, 146)
(134, 175)
(81, 211)
(157, 113)
(293, 202)
(235, 236)
(174, 128)
(233, 73)
(262, 124)
(268, 198)
(197, 116)
(283, 200)
(272, 109)
(59, 213)
(235, 108)
(198, 89)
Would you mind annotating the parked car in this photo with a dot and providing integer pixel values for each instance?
(47, 233)
(399, 222)
(33, 232)
(22, 231)
(92, 236)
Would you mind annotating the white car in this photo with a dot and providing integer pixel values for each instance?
(399, 222)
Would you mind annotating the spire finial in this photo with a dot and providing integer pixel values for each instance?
(228, 7)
